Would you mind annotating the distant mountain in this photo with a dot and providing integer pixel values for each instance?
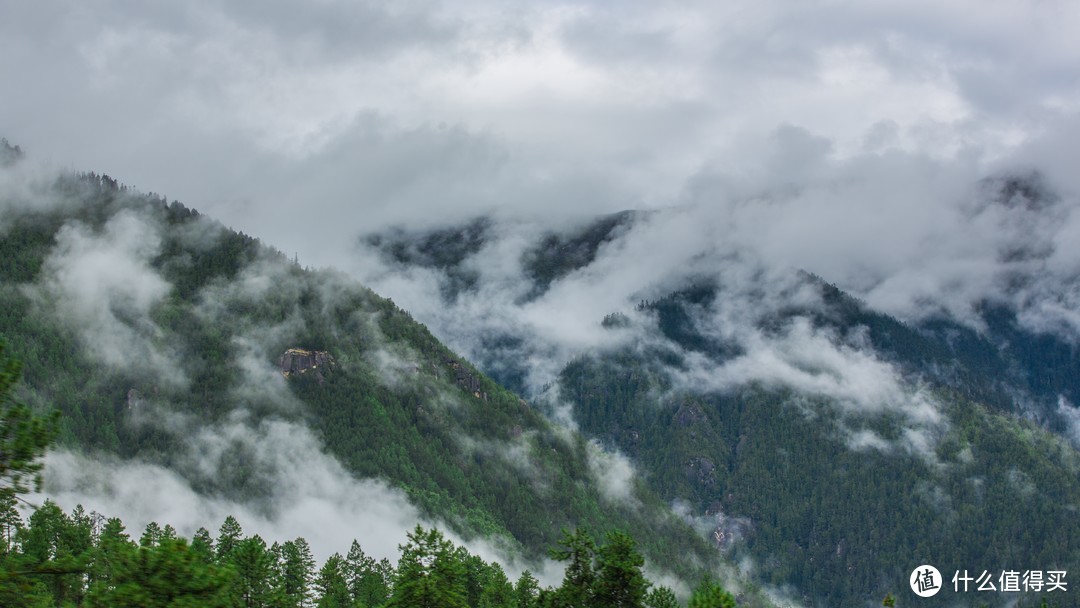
(839, 499)
(829, 447)
(155, 331)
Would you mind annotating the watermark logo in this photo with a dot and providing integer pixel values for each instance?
(925, 581)
(1011, 581)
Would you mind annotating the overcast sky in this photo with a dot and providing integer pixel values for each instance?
(302, 122)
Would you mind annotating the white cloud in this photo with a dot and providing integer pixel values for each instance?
(613, 473)
(314, 496)
(103, 287)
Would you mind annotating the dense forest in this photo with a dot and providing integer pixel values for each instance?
(83, 559)
(795, 494)
(827, 499)
(142, 324)
(187, 324)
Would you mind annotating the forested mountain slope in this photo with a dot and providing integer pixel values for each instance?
(829, 446)
(831, 492)
(163, 337)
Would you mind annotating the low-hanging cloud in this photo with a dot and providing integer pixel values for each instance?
(314, 496)
(102, 286)
(613, 473)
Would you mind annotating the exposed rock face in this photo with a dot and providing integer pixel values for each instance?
(299, 361)
(468, 381)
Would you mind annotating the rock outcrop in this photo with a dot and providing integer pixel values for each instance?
(300, 361)
(468, 381)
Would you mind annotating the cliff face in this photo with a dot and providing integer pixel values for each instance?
(299, 361)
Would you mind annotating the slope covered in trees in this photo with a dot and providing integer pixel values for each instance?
(835, 499)
(143, 324)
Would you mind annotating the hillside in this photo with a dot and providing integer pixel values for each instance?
(827, 446)
(164, 338)
(825, 492)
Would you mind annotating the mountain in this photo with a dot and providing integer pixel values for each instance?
(828, 446)
(723, 407)
(174, 345)
(829, 493)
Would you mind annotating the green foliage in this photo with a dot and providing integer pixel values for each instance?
(526, 591)
(812, 512)
(429, 574)
(62, 561)
(254, 566)
(427, 421)
(332, 587)
(620, 582)
(661, 597)
(24, 437)
(368, 581)
(297, 570)
(578, 549)
(166, 574)
(710, 594)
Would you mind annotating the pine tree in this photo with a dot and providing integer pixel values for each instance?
(579, 549)
(23, 436)
(112, 546)
(202, 545)
(297, 569)
(254, 566)
(163, 575)
(10, 523)
(709, 594)
(229, 537)
(151, 536)
(46, 545)
(369, 581)
(526, 591)
(429, 575)
(620, 582)
(332, 587)
(661, 597)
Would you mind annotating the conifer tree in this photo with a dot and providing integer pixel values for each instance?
(620, 582)
(163, 575)
(229, 536)
(661, 597)
(710, 594)
(23, 436)
(297, 570)
(526, 591)
(332, 587)
(429, 575)
(202, 545)
(579, 550)
(369, 581)
(254, 566)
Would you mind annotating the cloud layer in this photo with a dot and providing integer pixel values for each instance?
(367, 112)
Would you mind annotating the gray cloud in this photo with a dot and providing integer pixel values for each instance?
(251, 111)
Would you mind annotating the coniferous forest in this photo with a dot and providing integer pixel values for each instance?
(389, 402)
(206, 329)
